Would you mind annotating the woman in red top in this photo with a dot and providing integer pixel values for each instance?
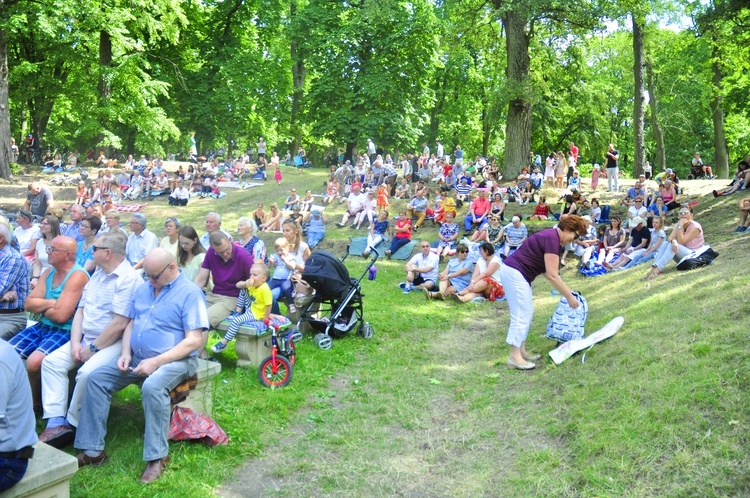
(542, 211)
(402, 233)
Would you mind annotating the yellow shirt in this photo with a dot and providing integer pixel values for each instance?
(262, 298)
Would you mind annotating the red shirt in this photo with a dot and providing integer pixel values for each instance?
(480, 206)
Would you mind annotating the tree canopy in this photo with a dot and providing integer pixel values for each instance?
(500, 78)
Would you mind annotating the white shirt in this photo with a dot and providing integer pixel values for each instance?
(25, 235)
(482, 265)
(432, 261)
(119, 287)
(181, 193)
(356, 201)
(140, 245)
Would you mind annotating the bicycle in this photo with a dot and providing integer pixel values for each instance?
(276, 370)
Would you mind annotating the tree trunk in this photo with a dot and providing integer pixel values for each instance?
(518, 127)
(639, 105)
(661, 153)
(105, 60)
(351, 148)
(721, 155)
(485, 132)
(5, 154)
(298, 80)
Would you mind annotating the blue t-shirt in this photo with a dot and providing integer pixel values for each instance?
(281, 271)
(380, 227)
(454, 265)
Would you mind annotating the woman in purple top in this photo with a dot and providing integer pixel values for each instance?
(539, 255)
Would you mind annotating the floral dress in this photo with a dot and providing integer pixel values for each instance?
(492, 234)
(448, 230)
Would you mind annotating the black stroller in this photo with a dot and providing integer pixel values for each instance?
(335, 309)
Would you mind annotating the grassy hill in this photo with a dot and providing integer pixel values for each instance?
(427, 408)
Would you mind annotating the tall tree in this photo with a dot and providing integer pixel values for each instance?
(639, 102)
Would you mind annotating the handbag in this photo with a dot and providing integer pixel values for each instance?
(567, 324)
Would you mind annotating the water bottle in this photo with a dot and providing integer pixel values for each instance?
(373, 272)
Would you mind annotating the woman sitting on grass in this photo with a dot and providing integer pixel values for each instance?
(614, 241)
(542, 210)
(448, 234)
(498, 206)
(332, 191)
(485, 282)
(686, 236)
(275, 219)
(378, 231)
(402, 233)
(657, 245)
(455, 277)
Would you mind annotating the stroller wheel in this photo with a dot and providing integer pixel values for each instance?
(366, 330)
(323, 341)
(295, 335)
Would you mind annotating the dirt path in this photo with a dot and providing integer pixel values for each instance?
(455, 432)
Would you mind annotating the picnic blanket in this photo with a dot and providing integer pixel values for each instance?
(357, 246)
(130, 208)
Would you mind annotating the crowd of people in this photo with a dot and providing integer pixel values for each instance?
(167, 294)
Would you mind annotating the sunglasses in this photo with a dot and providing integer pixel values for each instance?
(97, 248)
(156, 277)
(462, 251)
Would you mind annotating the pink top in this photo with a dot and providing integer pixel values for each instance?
(698, 241)
(667, 195)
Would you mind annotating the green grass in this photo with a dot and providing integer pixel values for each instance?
(427, 408)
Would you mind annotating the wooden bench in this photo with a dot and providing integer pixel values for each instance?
(200, 393)
(48, 475)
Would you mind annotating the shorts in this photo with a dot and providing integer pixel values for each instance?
(39, 337)
(419, 280)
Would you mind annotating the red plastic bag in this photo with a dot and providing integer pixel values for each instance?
(187, 424)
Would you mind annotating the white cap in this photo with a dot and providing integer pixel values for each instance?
(636, 221)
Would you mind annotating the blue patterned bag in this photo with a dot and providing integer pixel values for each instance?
(567, 323)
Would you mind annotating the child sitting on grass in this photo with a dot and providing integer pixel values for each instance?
(255, 312)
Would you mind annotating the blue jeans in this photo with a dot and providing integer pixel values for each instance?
(398, 243)
(107, 380)
(313, 238)
(285, 286)
(12, 470)
(468, 221)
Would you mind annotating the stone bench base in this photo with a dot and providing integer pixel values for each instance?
(249, 346)
(200, 399)
(48, 475)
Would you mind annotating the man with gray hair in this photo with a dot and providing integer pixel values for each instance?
(14, 287)
(73, 230)
(140, 240)
(95, 337)
(213, 224)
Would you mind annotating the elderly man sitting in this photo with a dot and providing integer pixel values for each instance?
(140, 241)
(14, 287)
(55, 297)
(417, 207)
(213, 224)
(421, 270)
(158, 353)
(94, 337)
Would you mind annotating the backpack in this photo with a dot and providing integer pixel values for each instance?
(567, 323)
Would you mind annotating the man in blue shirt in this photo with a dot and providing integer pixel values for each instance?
(158, 352)
(17, 423)
(14, 287)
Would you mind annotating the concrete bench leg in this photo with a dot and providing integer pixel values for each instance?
(48, 475)
(200, 400)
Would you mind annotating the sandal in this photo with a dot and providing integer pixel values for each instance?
(655, 272)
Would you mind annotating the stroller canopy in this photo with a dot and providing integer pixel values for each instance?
(327, 275)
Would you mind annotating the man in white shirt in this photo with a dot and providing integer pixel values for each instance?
(180, 195)
(140, 240)
(354, 204)
(440, 150)
(95, 337)
(213, 223)
(421, 270)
